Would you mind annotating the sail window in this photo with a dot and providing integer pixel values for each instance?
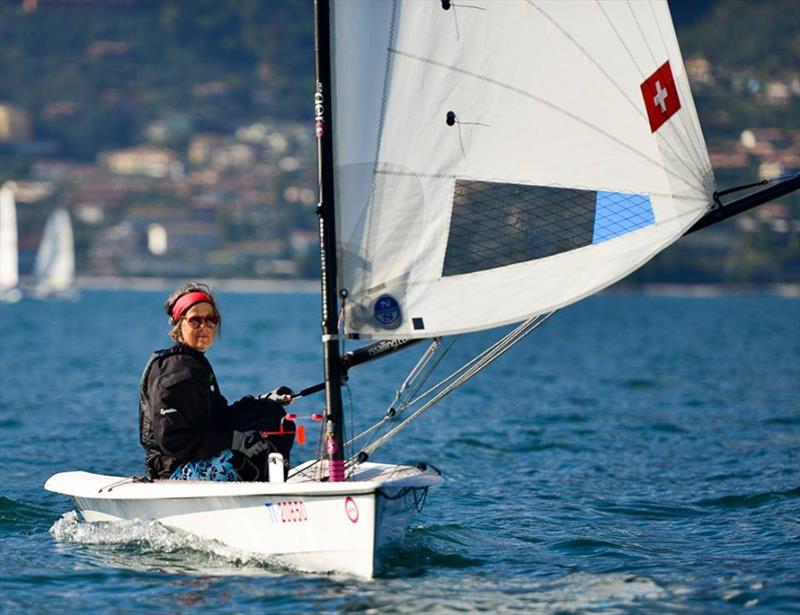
(497, 224)
(619, 213)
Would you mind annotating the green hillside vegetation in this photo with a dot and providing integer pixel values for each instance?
(749, 43)
(95, 74)
(763, 35)
(106, 70)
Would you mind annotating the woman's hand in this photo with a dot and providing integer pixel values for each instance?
(282, 395)
(249, 443)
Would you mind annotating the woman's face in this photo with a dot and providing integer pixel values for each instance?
(198, 327)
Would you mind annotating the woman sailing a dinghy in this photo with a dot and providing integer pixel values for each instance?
(186, 426)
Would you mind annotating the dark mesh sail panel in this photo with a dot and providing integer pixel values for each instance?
(494, 225)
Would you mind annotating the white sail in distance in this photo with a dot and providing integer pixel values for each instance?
(54, 268)
(497, 160)
(9, 266)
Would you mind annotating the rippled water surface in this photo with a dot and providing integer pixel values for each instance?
(636, 454)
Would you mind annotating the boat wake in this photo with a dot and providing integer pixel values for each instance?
(577, 592)
(609, 593)
(148, 545)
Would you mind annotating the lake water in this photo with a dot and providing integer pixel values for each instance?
(637, 454)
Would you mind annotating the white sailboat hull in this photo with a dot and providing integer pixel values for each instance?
(303, 524)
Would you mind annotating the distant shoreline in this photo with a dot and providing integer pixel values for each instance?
(706, 290)
(235, 285)
(246, 285)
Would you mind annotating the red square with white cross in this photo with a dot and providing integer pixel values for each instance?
(660, 96)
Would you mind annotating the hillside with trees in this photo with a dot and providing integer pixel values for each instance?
(221, 91)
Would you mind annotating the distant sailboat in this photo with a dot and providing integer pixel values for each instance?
(54, 270)
(9, 268)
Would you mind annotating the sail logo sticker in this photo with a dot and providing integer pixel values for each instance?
(660, 95)
(387, 312)
(351, 509)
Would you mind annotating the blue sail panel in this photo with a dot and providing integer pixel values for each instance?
(619, 213)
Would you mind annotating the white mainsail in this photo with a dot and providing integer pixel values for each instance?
(54, 269)
(497, 160)
(9, 268)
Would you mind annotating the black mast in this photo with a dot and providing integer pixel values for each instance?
(334, 438)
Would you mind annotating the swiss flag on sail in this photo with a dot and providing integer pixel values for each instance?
(660, 96)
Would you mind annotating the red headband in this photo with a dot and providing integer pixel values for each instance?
(188, 300)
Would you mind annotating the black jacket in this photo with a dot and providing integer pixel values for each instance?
(184, 416)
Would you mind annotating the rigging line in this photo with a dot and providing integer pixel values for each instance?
(501, 343)
(426, 357)
(387, 417)
(688, 148)
(763, 182)
(369, 430)
(550, 105)
(478, 363)
(352, 412)
(636, 107)
(380, 441)
(467, 371)
(588, 56)
(308, 470)
(430, 371)
(423, 376)
(403, 405)
(699, 147)
(429, 352)
(505, 344)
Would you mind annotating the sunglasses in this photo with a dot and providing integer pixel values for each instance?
(209, 321)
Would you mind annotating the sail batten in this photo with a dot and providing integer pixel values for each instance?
(506, 161)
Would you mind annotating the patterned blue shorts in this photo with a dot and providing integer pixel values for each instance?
(219, 468)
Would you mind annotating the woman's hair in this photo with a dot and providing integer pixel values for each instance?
(191, 287)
